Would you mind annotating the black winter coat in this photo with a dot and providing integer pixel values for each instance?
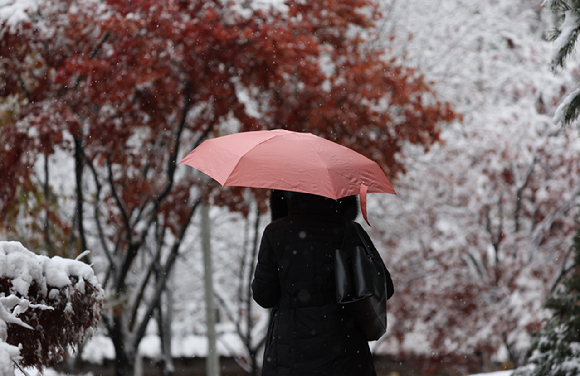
(309, 333)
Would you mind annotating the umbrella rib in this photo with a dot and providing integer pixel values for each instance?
(365, 177)
(326, 168)
(225, 184)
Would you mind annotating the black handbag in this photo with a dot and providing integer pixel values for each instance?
(361, 284)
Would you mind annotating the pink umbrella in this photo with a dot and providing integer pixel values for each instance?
(291, 161)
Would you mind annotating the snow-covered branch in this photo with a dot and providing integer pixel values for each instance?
(37, 294)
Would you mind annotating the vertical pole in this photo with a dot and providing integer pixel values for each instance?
(212, 360)
(138, 364)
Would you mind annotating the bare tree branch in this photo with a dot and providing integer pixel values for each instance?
(519, 191)
(140, 332)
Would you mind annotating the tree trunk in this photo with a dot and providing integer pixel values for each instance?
(164, 317)
(79, 166)
(123, 365)
(124, 356)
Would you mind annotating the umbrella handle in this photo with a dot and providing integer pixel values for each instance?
(363, 202)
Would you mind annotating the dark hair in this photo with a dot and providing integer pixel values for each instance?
(349, 207)
(278, 204)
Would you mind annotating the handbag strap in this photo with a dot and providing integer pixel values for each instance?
(348, 225)
(360, 235)
(362, 238)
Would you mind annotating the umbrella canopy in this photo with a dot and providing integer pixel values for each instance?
(291, 161)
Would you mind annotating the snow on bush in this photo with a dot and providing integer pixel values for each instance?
(47, 305)
(10, 306)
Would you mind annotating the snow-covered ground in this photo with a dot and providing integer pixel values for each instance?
(50, 372)
(499, 373)
(47, 372)
(100, 348)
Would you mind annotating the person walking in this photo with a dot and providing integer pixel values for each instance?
(309, 333)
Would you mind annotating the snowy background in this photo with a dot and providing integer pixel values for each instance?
(478, 232)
